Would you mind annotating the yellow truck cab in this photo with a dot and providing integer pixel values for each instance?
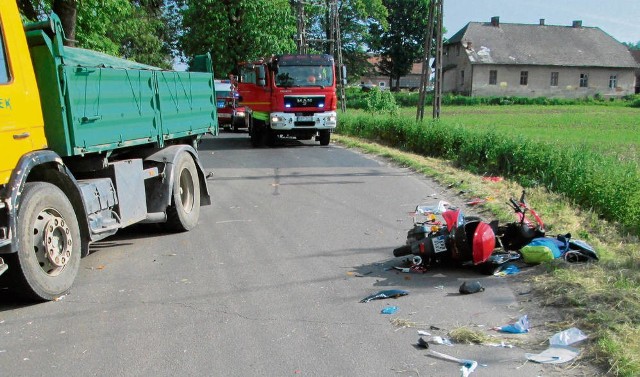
(21, 123)
(81, 158)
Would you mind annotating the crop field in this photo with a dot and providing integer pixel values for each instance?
(606, 129)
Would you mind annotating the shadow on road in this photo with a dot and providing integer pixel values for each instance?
(241, 141)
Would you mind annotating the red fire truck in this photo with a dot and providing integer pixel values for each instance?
(230, 114)
(289, 95)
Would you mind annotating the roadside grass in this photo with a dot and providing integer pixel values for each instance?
(602, 299)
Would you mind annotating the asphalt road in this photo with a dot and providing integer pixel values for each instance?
(268, 284)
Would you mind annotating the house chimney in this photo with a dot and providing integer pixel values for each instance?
(542, 22)
(577, 24)
(495, 21)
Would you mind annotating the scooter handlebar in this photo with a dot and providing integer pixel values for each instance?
(515, 205)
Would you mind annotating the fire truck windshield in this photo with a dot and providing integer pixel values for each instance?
(304, 75)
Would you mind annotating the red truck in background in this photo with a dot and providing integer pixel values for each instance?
(231, 116)
(289, 95)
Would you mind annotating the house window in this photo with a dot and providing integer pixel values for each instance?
(524, 77)
(461, 78)
(613, 81)
(493, 77)
(554, 78)
(584, 80)
(457, 50)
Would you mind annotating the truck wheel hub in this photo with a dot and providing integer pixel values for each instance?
(57, 241)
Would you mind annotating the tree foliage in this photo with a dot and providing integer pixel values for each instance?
(133, 29)
(354, 17)
(632, 46)
(401, 44)
(236, 30)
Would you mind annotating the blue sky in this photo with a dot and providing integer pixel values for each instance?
(618, 18)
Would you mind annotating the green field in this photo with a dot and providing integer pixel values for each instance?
(606, 129)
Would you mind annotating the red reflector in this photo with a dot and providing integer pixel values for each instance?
(421, 247)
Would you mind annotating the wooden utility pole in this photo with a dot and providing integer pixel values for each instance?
(337, 51)
(437, 90)
(301, 38)
(434, 30)
(334, 39)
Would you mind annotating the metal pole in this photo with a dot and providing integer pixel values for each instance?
(426, 69)
(437, 94)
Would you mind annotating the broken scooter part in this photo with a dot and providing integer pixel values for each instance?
(442, 234)
(390, 293)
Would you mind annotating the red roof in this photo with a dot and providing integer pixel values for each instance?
(416, 69)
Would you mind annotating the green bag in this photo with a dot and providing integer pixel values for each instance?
(536, 254)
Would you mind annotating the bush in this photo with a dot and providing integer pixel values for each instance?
(381, 102)
(634, 101)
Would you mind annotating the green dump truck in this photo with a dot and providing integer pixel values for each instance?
(90, 144)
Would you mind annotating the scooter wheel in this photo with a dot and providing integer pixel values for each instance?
(402, 251)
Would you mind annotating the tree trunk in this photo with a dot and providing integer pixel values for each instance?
(67, 10)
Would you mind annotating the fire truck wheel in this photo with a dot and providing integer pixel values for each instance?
(184, 211)
(256, 128)
(49, 237)
(237, 123)
(325, 137)
(270, 137)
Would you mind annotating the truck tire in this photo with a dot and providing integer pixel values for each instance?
(237, 123)
(270, 138)
(256, 128)
(325, 137)
(50, 245)
(184, 211)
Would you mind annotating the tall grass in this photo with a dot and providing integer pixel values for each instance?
(607, 185)
(356, 99)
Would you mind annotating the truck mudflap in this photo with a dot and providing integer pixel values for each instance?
(290, 121)
(162, 197)
(3, 266)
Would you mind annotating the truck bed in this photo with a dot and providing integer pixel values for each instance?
(88, 96)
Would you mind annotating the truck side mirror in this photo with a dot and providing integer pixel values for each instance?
(343, 71)
(260, 75)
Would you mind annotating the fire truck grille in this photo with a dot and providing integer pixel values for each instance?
(303, 101)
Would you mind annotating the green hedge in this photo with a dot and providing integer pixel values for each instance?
(606, 185)
(356, 99)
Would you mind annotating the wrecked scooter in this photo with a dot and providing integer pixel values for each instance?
(456, 239)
